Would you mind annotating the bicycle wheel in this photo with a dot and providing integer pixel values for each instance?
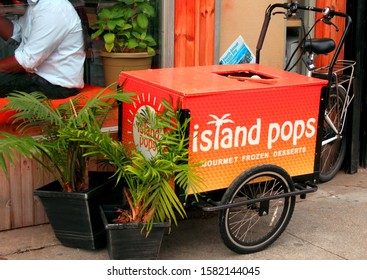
(334, 144)
(253, 227)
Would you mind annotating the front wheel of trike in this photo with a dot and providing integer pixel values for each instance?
(253, 227)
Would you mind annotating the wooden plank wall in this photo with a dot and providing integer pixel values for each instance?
(194, 32)
(18, 206)
(326, 31)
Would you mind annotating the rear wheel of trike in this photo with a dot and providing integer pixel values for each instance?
(253, 227)
(333, 151)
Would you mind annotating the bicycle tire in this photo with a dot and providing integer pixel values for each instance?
(333, 153)
(248, 229)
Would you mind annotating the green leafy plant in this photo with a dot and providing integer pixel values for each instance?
(63, 158)
(151, 181)
(125, 26)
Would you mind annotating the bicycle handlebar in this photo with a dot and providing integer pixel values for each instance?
(292, 8)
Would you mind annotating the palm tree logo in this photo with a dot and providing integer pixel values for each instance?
(218, 123)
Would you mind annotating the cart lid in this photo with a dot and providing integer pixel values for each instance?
(219, 78)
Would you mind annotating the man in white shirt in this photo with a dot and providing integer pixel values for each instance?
(50, 55)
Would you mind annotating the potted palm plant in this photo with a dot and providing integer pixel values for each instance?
(135, 230)
(71, 201)
(124, 28)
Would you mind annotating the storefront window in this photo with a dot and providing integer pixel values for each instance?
(94, 74)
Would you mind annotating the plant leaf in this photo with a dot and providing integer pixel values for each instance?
(142, 21)
(109, 38)
(147, 9)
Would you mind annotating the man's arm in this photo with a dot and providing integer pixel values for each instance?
(10, 65)
(6, 28)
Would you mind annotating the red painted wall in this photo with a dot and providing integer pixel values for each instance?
(323, 30)
(194, 32)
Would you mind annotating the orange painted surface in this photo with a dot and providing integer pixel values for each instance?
(326, 31)
(87, 93)
(234, 124)
(194, 32)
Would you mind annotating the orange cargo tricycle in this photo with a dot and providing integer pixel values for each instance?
(257, 131)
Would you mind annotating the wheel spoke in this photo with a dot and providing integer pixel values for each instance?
(238, 225)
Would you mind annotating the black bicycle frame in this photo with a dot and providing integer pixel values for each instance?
(292, 8)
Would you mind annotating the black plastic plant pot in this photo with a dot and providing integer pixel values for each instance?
(129, 241)
(75, 217)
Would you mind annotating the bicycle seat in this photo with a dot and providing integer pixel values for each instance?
(319, 45)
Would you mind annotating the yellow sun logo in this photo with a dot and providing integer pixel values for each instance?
(143, 135)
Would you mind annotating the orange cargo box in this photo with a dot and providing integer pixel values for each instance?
(241, 116)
